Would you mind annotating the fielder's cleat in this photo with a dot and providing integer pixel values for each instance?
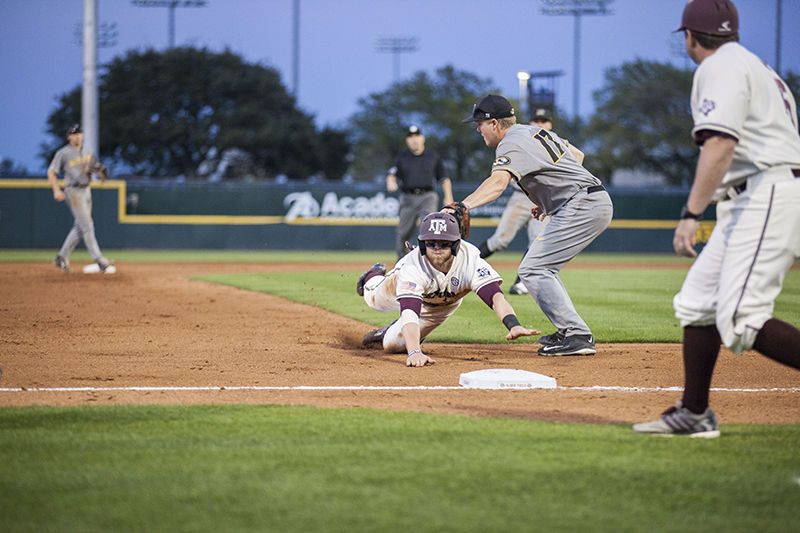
(553, 338)
(378, 269)
(62, 263)
(376, 335)
(678, 420)
(518, 288)
(570, 345)
(106, 266)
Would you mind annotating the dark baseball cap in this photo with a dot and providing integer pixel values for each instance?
(75, 128)
(490, 106)
(714, 17)
(413, 130)
(541, 115)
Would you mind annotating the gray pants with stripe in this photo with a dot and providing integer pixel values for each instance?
(79, 200)
(572, 228)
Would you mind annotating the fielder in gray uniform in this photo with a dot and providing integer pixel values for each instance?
(77, 166)
(517, 213)
(540, 162)
(745, 120)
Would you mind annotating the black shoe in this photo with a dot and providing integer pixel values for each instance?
(378, 269)
(62, 263)
(376, 335)
(553, 338)
(571, 345)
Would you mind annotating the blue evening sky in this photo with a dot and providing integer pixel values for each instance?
(338, 61)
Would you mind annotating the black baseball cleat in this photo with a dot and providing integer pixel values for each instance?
(378, 269)
(553, 338)
(376, 335)
(571, 345)
(62, 263)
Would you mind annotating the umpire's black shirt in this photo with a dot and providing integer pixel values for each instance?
(418, 173)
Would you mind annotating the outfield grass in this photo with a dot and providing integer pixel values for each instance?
(268, 468)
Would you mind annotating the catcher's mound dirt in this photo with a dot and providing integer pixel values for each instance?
(149, 326)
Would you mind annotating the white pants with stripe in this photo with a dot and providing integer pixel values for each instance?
(738, 275)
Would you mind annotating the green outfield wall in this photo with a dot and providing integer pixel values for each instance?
(292, 216)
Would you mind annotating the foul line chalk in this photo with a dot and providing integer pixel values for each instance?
(367, 388)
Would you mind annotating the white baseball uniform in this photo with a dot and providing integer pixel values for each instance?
(740, 272)
(441, 294)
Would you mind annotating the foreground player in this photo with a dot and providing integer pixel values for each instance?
(540, 162)
(745, 120)
(427, 285)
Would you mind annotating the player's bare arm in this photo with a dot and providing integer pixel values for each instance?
(447, 191)
(415, 356)
(58, 194)
(575, 152)
(503, 310)
(490, 190)
(715, 159)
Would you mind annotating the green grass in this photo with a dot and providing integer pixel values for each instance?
(274, 468)
(268, 468)
(620, 305)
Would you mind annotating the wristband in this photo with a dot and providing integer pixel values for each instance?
(510, 320)
(414, 351)
(685, 213)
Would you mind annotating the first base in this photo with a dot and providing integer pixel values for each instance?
(506, 378)
(94, 268)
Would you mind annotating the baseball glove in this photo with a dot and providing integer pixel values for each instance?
(461, 213)
(102, 172)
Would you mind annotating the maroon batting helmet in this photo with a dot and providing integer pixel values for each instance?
(439, 226)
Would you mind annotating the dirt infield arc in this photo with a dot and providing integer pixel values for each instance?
(151, 327)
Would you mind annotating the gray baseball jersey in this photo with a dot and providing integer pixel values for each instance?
(542, 165)
(75, 165)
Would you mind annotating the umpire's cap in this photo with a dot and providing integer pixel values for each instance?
(75, 128)
(439, 226)
(541, 115)
(714, 17)
(490, 106)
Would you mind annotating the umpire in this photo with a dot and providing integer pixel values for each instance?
(415, 173)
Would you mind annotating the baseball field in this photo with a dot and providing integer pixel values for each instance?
(229, 391)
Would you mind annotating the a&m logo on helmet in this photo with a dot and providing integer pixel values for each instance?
(438, 226)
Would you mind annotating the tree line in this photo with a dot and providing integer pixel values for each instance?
(199, 114)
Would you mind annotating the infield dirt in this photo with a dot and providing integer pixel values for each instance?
(149, 325)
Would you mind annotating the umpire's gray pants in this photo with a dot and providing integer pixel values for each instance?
(572, 228)
(79, 200)
(412, 207)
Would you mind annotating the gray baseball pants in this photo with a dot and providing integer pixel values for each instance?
(412, 207)
(572, 228)
(79, 200)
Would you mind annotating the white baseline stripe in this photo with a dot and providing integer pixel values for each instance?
(369, 387)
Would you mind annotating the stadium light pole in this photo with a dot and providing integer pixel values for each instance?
(396, 46)
(577, 9)
(89, 103)
(523, 78)
(170, 5)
